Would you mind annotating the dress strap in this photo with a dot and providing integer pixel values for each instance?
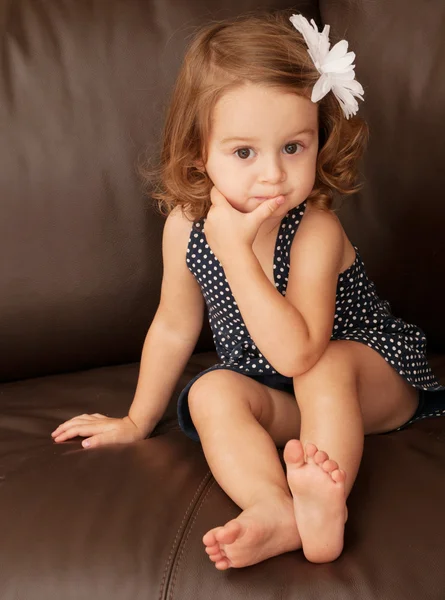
(285, 236)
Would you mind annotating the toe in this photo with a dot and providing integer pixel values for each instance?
(320, 457)
(213, 549)
(222, 565)
(293, 453)
(217, 557)
(209, 539)
(329, 466)
(338, 475)
(229, 533)
(311, 450)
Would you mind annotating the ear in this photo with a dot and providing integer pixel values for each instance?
(198, 164)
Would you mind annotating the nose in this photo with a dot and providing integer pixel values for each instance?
(271, 170)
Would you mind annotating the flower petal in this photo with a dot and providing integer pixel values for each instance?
(338, 51)
(311, 35)
(353, 86)
(347, 101)
(338, 65)
(321, 88)
(344, 75)
(323, 44)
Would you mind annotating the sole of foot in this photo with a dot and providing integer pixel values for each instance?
(318, 490)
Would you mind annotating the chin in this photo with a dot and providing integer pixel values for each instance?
(244, 207)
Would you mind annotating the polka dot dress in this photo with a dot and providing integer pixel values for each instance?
(360, 315)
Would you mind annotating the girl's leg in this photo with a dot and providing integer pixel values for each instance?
(350, 392)
(231, 413)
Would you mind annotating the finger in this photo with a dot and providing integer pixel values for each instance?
(81, 430)
(107, 437)
(97, 440)
(74, 421)
(64, 426)
(265, 209)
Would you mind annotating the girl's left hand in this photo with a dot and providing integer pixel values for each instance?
(229, 231)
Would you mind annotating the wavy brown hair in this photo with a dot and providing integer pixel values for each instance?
(259, 48)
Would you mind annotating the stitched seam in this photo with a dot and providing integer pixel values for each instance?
(178, 533)
(184, 542)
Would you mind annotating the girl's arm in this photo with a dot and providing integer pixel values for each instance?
(174, 331)
(293, 331)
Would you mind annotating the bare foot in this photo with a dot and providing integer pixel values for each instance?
(261, 531)
(317, 486)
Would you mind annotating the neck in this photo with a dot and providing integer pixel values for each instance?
(269, 227)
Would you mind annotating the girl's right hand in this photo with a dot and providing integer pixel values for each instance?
(102, 429)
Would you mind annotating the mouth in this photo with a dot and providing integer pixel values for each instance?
(263, 198)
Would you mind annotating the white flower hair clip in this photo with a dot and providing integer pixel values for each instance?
(335, 65)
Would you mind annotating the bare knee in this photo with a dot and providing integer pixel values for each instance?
(224, 394)
(217, 393)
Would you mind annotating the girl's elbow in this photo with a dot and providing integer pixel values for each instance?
(295, 368)
(302, 364)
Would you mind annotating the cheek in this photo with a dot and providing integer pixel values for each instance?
(310, 170)
(217, 168)
(225, 176)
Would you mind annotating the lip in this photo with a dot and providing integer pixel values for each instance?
(261, 198)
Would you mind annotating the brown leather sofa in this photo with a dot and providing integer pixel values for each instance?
(84, 84)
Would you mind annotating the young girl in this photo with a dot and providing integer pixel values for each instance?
(260, 136)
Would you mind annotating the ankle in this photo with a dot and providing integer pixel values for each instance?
(276, 496)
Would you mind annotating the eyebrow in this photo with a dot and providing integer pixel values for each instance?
(253, 139)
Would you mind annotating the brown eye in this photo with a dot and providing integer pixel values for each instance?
(293, 147)
(244, 152)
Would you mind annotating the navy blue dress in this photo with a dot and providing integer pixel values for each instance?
(360, 315)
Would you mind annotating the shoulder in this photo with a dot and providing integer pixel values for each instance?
(177, 228)
(180, 216)
(320, 236)
(317, 221)
(178, 221)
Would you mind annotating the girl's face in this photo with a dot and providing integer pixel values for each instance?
(263, 143)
